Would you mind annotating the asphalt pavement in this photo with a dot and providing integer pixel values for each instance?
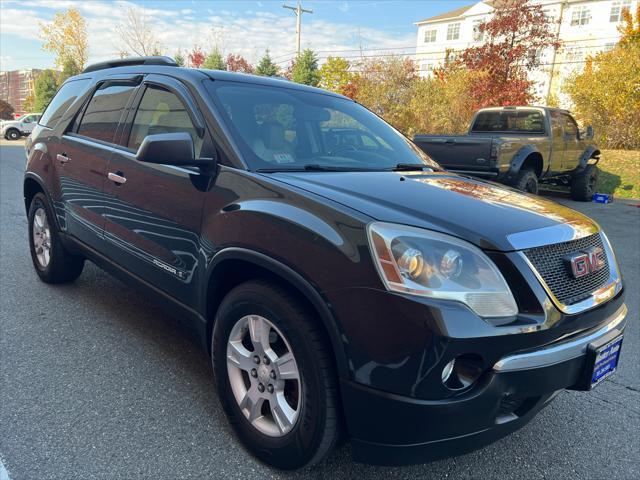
(97, 382)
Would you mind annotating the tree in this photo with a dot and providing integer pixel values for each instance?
(69, 69)
(137, 35)
(385, 86)
(335, 75)
(237, 63)
(179, 58)
(515, 36)
(6, 111)
(45, 88)
(66, 36)
(305, 69)
(214, 61)
(196, 57)
(266, 67)
(607, 93)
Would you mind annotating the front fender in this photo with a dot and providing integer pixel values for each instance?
(591, 152)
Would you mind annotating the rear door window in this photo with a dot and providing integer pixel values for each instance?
(104, 111)
(161, 111)
(511, 121)
(62, 101)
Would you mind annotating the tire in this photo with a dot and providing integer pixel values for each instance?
(52, 262)
(526, 181)
(584, 184)
(12, 134)
(314, 425)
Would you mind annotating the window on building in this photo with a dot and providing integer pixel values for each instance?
(453, 31)
(430, 36)
(427, 66)
(616, 9)
(102, 116)
(580, 15)
(477, 34)
(161, 111)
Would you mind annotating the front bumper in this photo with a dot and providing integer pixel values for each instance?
(391, 429)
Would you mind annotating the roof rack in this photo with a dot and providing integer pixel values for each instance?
(131, 61)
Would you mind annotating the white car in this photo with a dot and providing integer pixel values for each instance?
(23, 126)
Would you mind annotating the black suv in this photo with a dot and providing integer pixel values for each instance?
(343, 289)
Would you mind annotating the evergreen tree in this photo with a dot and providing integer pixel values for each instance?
(179, 58)
(305, 69)
(266, 66)
(215, 61)
(45, 88)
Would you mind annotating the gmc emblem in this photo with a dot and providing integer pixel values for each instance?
(586, 262)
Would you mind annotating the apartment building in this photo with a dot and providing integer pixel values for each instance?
(15, 87)
(584, 27)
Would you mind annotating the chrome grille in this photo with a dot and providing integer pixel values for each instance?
(549, 261)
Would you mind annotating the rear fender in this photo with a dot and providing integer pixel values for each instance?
(520, 157)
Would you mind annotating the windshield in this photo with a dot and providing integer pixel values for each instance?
(279, 128)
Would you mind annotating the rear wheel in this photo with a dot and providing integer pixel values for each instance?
(52, 262)
(12, 134)
(526, 181)
(275, 376)
(584, 184)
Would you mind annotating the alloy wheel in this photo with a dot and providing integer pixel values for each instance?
(264, 376)
(41, 237)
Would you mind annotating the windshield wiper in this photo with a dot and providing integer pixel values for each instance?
(316, 167)
(409, 167)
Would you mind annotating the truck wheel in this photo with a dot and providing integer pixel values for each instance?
(583, 184)
(12, 134)
(526, 181)
(52, 262)
(275, 375)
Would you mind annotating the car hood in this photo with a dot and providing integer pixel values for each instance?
(492, 216)
(9, 123)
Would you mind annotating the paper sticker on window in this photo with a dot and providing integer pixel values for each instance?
(283, 158)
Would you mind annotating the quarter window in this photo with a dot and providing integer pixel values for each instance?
(580, 16)
(102, 116)
(616, 9)
(453, 31)
(430, 36)
(161, 111)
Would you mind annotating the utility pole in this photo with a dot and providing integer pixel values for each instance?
(298, 10)
(555, 52)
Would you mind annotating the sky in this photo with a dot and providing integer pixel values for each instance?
(245, 27)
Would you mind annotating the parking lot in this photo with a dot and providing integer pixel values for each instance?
(97, 382)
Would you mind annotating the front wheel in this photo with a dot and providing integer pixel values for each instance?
(12, 134)
(583, 184)
(275, 375)
(53, 263)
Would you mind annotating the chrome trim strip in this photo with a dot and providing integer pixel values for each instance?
(603, 294)
(563, 232)
(560, 352)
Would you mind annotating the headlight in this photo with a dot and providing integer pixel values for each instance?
(429, 264)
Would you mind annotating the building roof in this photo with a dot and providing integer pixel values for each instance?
(443, 16)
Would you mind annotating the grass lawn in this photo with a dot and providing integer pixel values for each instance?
(620, 173)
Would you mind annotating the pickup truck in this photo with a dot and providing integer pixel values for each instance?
(23, 126)
(521, 146)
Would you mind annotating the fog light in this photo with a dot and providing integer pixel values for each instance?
(448, 370)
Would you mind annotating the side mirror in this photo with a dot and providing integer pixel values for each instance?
(169, 149)
(589, 132)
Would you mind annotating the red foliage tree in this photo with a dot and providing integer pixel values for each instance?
(196, 57)
(237, 63)
(514, 38)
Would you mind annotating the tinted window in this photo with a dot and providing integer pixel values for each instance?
(161, 111)
(286, 128)
(103, 113)
(62, 101)
(518, 121)
(570, 126)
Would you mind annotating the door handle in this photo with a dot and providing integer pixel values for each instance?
(62, 158)
(117, 178)
(450, 142)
